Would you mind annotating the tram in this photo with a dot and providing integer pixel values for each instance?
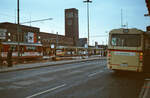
(27, 50)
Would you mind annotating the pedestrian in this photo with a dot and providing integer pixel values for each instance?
(1, 60)
(9, 57)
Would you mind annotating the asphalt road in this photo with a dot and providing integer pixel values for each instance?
(89, 79)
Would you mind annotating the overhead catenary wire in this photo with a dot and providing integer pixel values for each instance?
(37, 20)
(99, 36)
(8, 17)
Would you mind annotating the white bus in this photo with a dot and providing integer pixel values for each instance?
(129, 50)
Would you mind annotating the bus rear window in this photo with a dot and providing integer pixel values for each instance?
(126, 40)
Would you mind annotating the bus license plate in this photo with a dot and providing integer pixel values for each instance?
(123, 64)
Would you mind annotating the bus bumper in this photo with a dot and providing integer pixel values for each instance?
(134, 69)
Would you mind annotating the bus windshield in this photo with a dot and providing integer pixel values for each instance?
(126, 40)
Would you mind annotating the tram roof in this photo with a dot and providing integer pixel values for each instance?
(27, 44)
(74, 47)
(126, 31)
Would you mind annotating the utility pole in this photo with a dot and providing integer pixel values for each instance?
(18, 29)
(0, 53)
(121, 18)
(88, 24)
(57, 39)
(56, 45)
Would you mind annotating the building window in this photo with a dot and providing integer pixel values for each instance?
(9, 34)
(14, 38)
(9, 40)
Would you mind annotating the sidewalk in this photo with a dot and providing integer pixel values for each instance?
(145, 91)
(46, 64)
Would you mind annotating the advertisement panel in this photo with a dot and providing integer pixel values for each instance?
(3, 33)
(30, 37)
(35, 38)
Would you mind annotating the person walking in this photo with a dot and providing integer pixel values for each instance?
(1, 60)
(9, 58)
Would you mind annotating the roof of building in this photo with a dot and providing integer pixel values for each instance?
(16, 24)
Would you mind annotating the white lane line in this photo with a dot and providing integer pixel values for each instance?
(92, 74)
(145, 89)
(95, 73)
(37, 94)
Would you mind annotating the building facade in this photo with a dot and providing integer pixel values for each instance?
(72, 25)
(26, 34)
(47, 39)
(82, 42)
(32, 35)
(50, 41)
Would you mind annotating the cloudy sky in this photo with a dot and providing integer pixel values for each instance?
(104, 15)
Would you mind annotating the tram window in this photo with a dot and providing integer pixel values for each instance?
(126, 40)
(2, 49)
(31, 48)
(68, 52)
(59, 51)
(14, 48)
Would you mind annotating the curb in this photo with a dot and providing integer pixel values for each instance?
(145, 89)
(34, 67)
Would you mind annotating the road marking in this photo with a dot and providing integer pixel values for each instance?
(25, 83)
(1, 88)
(145, 89)
(37, 94)
(95, 73)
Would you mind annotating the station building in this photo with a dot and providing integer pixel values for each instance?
(29, 34)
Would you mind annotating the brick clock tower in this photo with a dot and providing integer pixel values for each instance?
(71, 25)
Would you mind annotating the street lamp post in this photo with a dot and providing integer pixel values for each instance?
(88, 28)
(88, 24)
(18, 15)
(18, 23)
(56, 45)
(107, 37)
(0, 53)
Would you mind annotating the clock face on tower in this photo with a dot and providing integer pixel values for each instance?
(69, 22)
(69, 14)
(76, 15)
